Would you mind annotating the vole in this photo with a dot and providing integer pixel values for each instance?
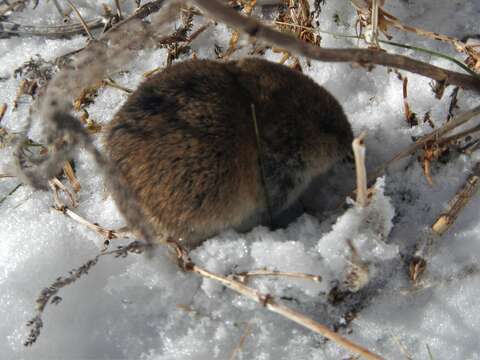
(205, 146)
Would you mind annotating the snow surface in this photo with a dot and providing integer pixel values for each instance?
(135, 308)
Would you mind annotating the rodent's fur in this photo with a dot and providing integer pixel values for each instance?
(185, 142)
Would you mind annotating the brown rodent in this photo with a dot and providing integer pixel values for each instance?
(186, 145)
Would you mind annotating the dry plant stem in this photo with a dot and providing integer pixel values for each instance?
(72, 179)
(375, 6)
(358, 146)
(10, 28)
(454, 123)
(458, 203)
(460, 135)
(361, 56)
(106, 233)
(82, 21)
(3, 110)
(243, 276)
(268, 302)
(113, 84)
(57, 185)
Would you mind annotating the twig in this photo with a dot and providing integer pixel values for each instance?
(243, 276)
(431, 52)
(113, 84)
(458, 203)
(444, 222)
(186, 264)
(57, 185)
(10, 28)
(358, 146)
(197, 32)
(362, 56)
(70, 174)
(374, 22)
(460, 135)
(108, 234)
(82, 21)
(455, 122)
(269, 303)
(389, 42)
(3, 110)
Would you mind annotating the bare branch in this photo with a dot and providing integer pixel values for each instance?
(82, 21)
(361, 56)
(269, 303)
(10, 28)
(449, 126)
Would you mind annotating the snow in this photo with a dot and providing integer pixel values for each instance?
(148, 309)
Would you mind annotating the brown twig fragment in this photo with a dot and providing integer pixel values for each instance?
(458, 203)
(410, 117)
(70, 174)
(358, 146)
(361, 56)
(3, 110)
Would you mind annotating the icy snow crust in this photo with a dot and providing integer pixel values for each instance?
(137, 309)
